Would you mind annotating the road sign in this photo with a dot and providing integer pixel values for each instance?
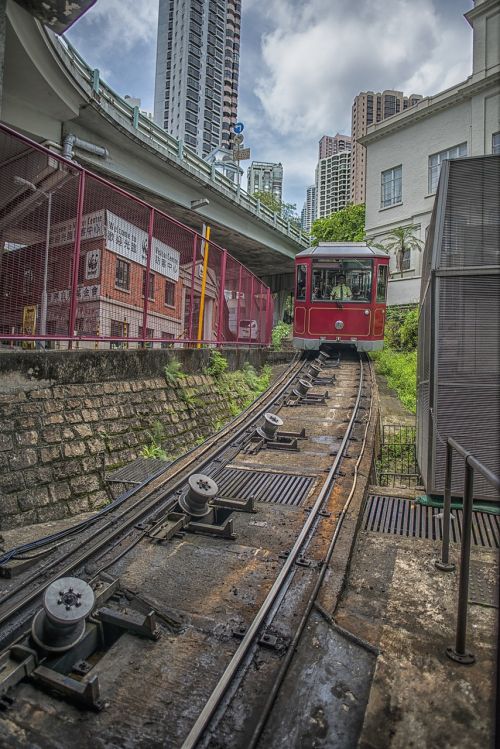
(238, 139)
(241, 154)
(238, 128)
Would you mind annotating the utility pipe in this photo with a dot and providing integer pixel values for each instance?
(71, 141)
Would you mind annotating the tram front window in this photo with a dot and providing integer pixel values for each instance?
(342, 281)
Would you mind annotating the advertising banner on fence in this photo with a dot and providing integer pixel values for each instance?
(121, 237)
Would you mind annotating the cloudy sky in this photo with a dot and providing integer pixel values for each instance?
(302, 63)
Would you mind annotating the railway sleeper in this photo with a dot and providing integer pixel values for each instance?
(64, 644)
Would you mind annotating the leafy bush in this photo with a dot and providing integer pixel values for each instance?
(217, 364)
(173, 372)
(400, 370)
(281, 331)
(401, 329)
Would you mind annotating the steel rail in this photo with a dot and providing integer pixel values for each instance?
(285, 664)
(227, 677)
(247, 417)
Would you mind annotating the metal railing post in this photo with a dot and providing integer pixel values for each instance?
(146, 281)
(222, 297)
(238, 308)
(191, 295)
(76, 259)
(444, 563)
(459, 653)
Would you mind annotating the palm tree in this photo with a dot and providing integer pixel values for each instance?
(398, 241)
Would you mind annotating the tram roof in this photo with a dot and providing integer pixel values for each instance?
(347, 249)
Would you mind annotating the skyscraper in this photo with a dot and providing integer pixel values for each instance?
(309, 210)
(333, 183)
(329, 145)
(197, 67)
(367, 108)
(263, 176)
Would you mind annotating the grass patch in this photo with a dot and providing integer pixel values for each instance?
(400, 370)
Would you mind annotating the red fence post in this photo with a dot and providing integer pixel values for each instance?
(269, 316)
(191, 299)
(146, 282)
(251, 308)
(76, 258)
(238, 307)
(222, 297)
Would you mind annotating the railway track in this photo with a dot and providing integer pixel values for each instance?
(237, 602)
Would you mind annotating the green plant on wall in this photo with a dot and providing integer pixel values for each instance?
(154, 449)
(217, 364)
(173, 372)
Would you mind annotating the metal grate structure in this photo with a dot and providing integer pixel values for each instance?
(264, 486)
(397, 463)
(459, 329)
(84, 263)
(402, 517)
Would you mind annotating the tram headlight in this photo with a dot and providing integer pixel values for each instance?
(339, 325)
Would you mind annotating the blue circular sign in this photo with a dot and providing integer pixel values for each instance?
(238, 128)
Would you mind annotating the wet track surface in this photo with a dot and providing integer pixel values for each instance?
(206, 591)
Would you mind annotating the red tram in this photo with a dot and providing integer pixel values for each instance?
(340, 296)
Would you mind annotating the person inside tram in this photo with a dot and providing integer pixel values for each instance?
(341, 290)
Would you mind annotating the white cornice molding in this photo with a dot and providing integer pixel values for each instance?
(431, 105)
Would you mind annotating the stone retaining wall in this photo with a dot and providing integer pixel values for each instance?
(56, 442)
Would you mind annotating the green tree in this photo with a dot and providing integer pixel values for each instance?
(346, 225)
(399, 241)
(287, 210)
(269, 200)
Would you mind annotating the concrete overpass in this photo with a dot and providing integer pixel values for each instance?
(49, 92)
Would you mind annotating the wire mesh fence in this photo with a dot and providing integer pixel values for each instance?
(86, 264)
(397, 462)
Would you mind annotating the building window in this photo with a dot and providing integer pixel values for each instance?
(169, 293)
(149, 334)
(122, 275)
(391, 192)
(118, 329)
(436, 159)
(169, 337)
(495, 143)
(151, 289)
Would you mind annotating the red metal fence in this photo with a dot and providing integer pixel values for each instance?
(84, 263)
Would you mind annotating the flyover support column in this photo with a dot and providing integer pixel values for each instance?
(279, 305)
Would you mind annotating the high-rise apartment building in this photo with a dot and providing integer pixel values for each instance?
(197, 66)
(263, 176)
(333, 183)
(329, 145)
(369, 107)
(308, 213)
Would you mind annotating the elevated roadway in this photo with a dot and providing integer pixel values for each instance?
(49, 92)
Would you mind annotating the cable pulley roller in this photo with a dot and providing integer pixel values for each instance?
(60, 624)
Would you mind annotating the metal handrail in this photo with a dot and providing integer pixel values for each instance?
(459, 653)
(175, 149)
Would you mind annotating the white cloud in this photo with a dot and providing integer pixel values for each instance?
(119, 25)
(316, 56)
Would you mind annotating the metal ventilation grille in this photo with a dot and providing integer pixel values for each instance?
(459, 332)
(282, 488)
(404, 518)
(471, 231)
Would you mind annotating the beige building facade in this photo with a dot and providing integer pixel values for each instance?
(369, 107)
(405, 152)
(332, 183)
(329, 145)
